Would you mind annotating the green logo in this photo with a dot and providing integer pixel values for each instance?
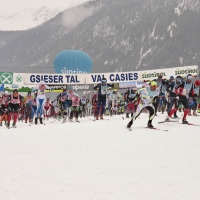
(19, 78)
(6, 77)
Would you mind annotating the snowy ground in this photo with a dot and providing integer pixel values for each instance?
(100, 160)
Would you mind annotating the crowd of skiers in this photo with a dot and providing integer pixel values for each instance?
(157, 95)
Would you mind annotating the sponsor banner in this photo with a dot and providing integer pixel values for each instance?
(166, 73)
(6, 78)
(119, 77)
(72, 79)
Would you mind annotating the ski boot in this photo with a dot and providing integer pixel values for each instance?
(149, 124)
(36, 120)
(97, 117)
(194, 113)
(131, 114)
(41, 122)
(77, 120)
(129, 124)
(8, 125)
(0, 123)
(127, 115)
(184, 121)
(189, 113)
(101, 116)
(64, 119)
(14, 125)
(71, 119)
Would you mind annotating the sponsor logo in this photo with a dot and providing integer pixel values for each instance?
(6, 78)
(65, 71)
(14, 86)
(81, 87)
(185, 72)
(154, 75)
(19, 78)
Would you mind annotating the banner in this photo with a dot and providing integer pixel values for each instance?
(117, 77)
(166, 73)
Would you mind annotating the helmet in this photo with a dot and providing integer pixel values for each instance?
(115, 90)
(197, 82)
(153, 83)
(42, 83)
(171, 77)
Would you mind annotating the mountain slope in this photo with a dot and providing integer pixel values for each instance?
(117, 34)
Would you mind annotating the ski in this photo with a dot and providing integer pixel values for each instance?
(191, 124)
(167, 121)
(130, 129)
(157, 129)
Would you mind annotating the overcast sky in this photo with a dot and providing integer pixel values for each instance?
(8, 7)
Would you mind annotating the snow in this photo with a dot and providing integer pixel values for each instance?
(29, 14)
(100, 160)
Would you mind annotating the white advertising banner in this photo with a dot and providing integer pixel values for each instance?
(166, 73)
(117, 77)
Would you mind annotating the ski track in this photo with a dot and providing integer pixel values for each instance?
(100, 160)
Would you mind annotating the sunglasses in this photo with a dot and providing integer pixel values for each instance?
(104, 81)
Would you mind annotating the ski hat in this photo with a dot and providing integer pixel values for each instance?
(189, 77)
(15, 91)
(171, 77)
(104, 80)
(178, 79)
(29, 93)
(42, 83)
(197, 82)
(134, 88)
(153, 83)
(70, 88)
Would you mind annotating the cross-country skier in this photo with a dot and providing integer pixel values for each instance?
(146, 97)
(83, 106)
(14, 106)
(75, 108)
(131, 99)
(102, 92)
(47, 109)
(195, 98)
(156, 102)
(33, 107)
(28, 103)
(3, 107)
(172, 100)
(41, 99)
(182, 91)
